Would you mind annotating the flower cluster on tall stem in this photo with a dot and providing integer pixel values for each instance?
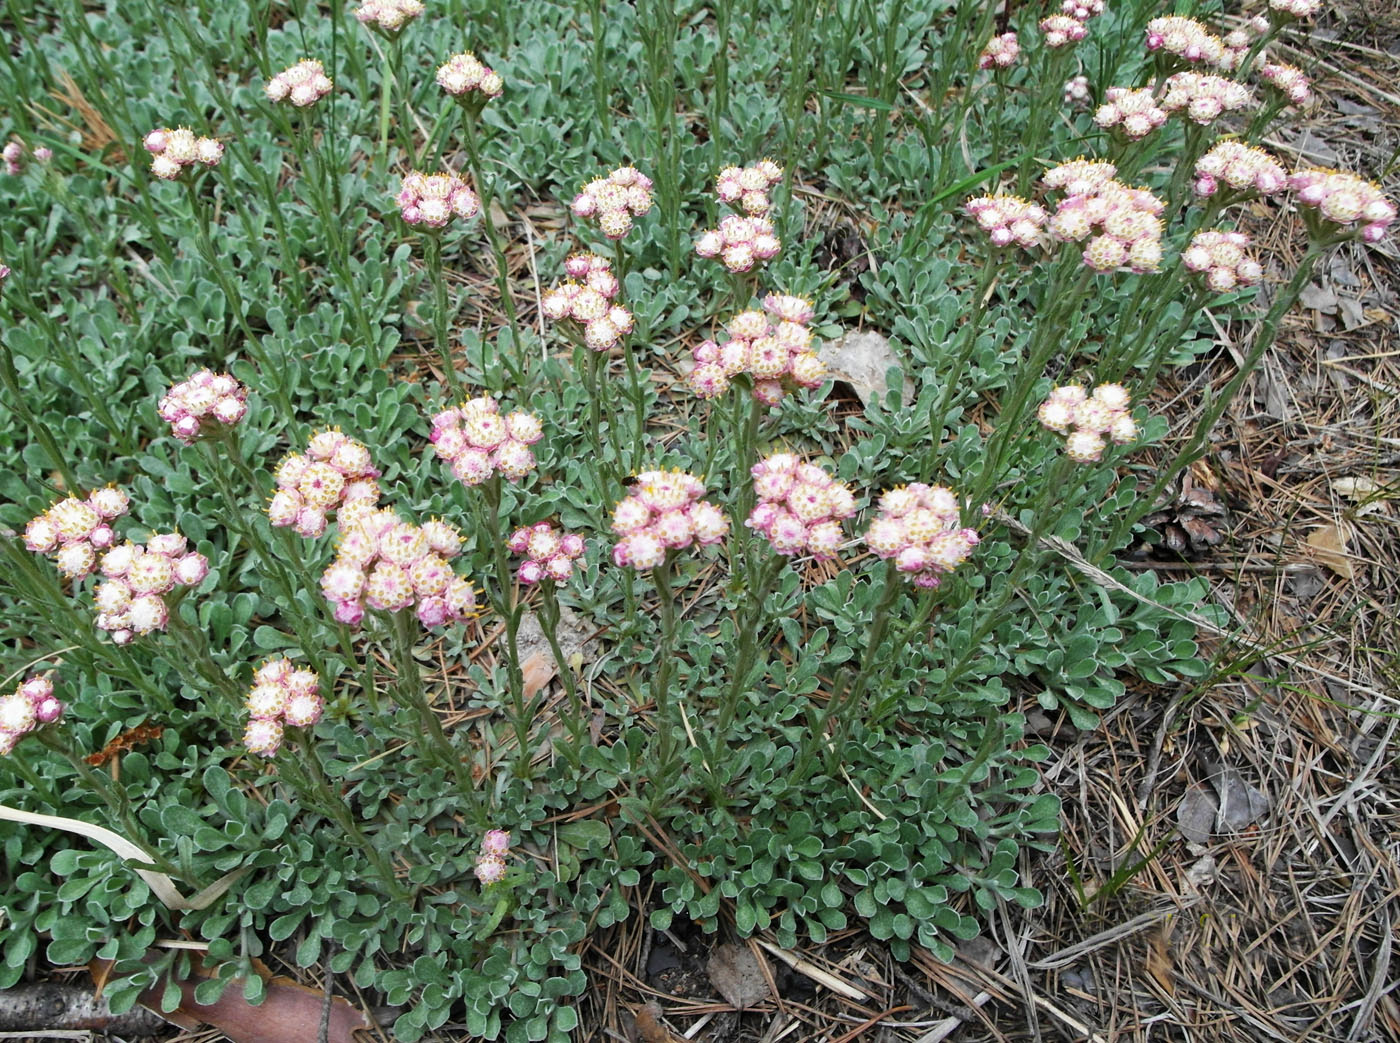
(302, 85)
(613, 201)
(1185, 40)
(799, 507)
(131, 599)
(206, 404)
(1121, 223)
(1008, 220)
(1338, 205)
(335, 470)
(773, 346)
(919, 528)
(75, 531)
(282, 694)
(548, 553)
(588, 297)
(175, 151)
(465, 78)
(1219, 255)
(1237, 171)
(477, 441)
(1088, 420)
(31, 705)
(664, 511)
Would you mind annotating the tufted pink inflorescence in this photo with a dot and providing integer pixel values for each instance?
(477, 441)
(664, 511)
(1076, 91)
(614, 200)
(1135, 113)
(920, 527)
(389, 17)
(1285, 11)
(773, 348)
(748, 187)
(302, 84)
(739, 242)
(131, 598)
(31, 705)
(385, 563)
(1008, 220)
(1000, 52)
(799, 506)
(174, 151)
(1185, 39)
(549, 553)
(464, 76)
(1062, 29)
(433, 200)
(1219, 255)
(1238, 168)
(335, 470)
(1203, 97)
(1126, 219)
(282, 695)
(1082, 10)
(206, 404)
(588, 297)
(13, 155)
(1288, 80)
(75, 531)
(1344, 202)
(1087, 420)
(491, 862)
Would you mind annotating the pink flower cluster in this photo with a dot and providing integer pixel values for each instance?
(282, 694)
(1287, 10)
(748, 186)
(770, 348)
(1185, 39)
(385, 563)
(389, 17)
(615, 200)
(663, 511)
(1000, 52)
(739, 242)
(1288, 80)
(1204, 97)
(334, 471)
(131, 601)
(1077, 90)
(1220, 255)
(1082, 10)
(920, 527)
(4, 272)
(548, 553)
(800, 507)
(1133, 112)
(204, 404)
(31, 705)
(491, 863)
(1087, 419)
(13, 155)
(1241, 167)
(463, 75)
(75, 531)
(1126, 219)
(173, 151)
(1008, 219)
(588, 298)
(477, 441)
(302, 84)
(1344, 199)
(1062, 29)
(434, 199)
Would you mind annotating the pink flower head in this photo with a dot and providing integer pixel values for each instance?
(132, 600)
(174, 151)
(1082, 10)
(31, 705)
(1000, 52)
(433, 200)
(1008, 220)
(302, 85)
(1087, 420)
(206, 404)
(739, 242)
(663, 510)
(490, 870)
(1132, 113)
(587, 298)
(1240, 170)
(1338, 205)
(548, 553)
(919, 527)
(747, 187)
(333, 473)
(495, 842)
(389, 17)
(1062, 29)
(75, 531)
(1219, 255)
(1285, 11)
(1184, 39)
(1121, 224)
(1289, 80)
(465, 78)
(614, 201)
(477, 441)
(798, 505)
(1203, 97)
(1076, 91)
(773, 346)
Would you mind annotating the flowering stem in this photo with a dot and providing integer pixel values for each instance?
(1043, 111)
(196, 655)
(510, 611)
(486, 188)
(549, 623)
(660, 684)
(723, 11)
(967, 343)
(433, 243)
(1196, 444)
(386, 93)
(409, 693)
(40, 430)
(600, 71)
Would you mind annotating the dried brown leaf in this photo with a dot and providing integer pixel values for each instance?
(1329, 545)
